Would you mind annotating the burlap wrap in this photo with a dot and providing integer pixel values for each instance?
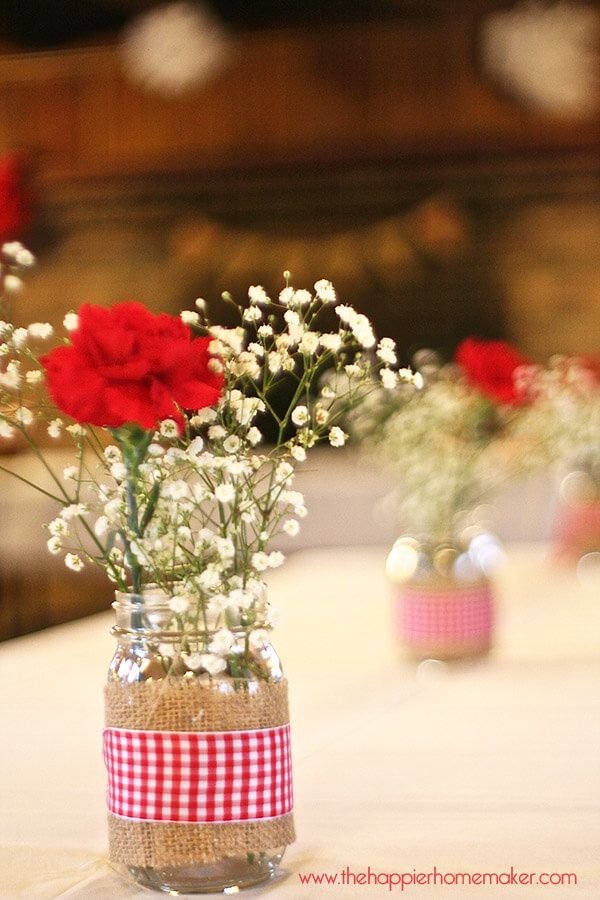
(177, 704)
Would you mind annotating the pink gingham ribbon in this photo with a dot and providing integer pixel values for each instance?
(456, 615)
(201, 777)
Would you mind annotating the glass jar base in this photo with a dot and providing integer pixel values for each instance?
(223, 876)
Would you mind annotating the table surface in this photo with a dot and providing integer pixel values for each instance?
(472, 768)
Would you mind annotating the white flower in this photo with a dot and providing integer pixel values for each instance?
(34, 377)
(101, 526)
(345, 313)
(11, 378)
(118, 470)
(241, 598)
(74, 511)
(331, 341)
(76, 430)
(74, 562)
(300, 416)
(291, 527)
(19, 338)
(325, 291)
(55, 428)
(70, 473)
(386, 351)
(196, 447)
(259, 638)
(389, 379)
(178, 605)
(252, 314)
(224, 547)
(41, 330)
(231, 444)
(265, 331)
(321, 416)
(260, 561)
(71, 321)
(112, 453)
(222, 642)
(257, 294)
(216, 432)
(193, 661)
(309, 342)
(54, 545)
(58, 527)
(298, 453)
(212, 664)
(203, 417)
(257, 349)
(224, 493)
(24, 415)
(286, 295)
(337, 438)
(12, 284)
(301, 298)
(169, 429)
(189, 317)
(6, 430)
(276, 559)
(254, 436)
(274, 362)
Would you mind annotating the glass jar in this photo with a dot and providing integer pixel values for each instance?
(443, 598)
(187, 811)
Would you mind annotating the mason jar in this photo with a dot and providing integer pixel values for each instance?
(199, 765)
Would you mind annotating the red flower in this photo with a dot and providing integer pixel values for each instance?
(490, 366)
(127, 365)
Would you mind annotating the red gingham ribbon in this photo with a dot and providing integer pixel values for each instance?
(198, 776)
(462, 614)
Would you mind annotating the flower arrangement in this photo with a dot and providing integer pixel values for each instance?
(168, 490)
(445, 435)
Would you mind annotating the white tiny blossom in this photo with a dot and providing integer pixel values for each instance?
(301, 298)
(274, 362)
(259, 638)
(224, 493)
(386, 351)
(309, 343)
(189, 317)
(24, 258)
(13, 284)
(321, 416)
(255, 348)
(71, 321)
(169, 429)
(70, 473)
(216, 432)
(54, 544)
(300, 416)
(222, 642)
(286, 295)
(224, 547)
(325, 291)
(55, 428)
(74, 562)
(252, 314)
(203, 417)
(193, 661)
(19, 338)
(212, 664)
(260, 561)
(179, 605)
(232, 443)
(254, 436)
(24, 415)
(74, 510)
(276, 559)
(112, 453)
(298, 453)
(291, 527)
(58, 527)
(264, 331)
(337, 438)
(101, 526)
(389, 379)
(118, 470)
(76, 430)
(41, 330)
(331, 341)
(34, 377)
(257, 294)
(6, 430)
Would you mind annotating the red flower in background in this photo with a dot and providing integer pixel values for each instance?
(15, 202)
(490, 366)
(127, 365)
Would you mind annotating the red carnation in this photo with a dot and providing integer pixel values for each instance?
(490, 366)
(127, 365)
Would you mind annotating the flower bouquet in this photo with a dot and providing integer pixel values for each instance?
(171, 496)
(563, 422)
(447, 441)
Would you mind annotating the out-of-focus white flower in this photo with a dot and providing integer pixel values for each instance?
(71, 321)
(23, 415)
(325, 291)
(264, 331)
(308, 343)
(222, 642)
(386, 351)
(34, 376)
(331, 342)
(179, 605)
(276, 559)
(54, 544)
(260, 561)
(212, 663)
(291, 527)
(389, 379)
(174, 47)
(257, 294)
(225, 493)
(13, 284)
(189, 317)
(252, 314)
(254, 436)
(70, 473)
(337, 438)
(41, 330)
(19, 338)
(101, 526)
(6, 430)
(231, 444)
(55, 428)
(259, 638)
(298, 453)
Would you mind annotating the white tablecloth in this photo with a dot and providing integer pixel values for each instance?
(472, 768)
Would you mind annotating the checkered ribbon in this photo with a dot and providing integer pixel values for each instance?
(201, 777)
(463, 614)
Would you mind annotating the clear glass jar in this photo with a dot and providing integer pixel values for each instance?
(443, 597)
(155, 684)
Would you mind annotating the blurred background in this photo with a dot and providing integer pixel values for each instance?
(439, 161)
